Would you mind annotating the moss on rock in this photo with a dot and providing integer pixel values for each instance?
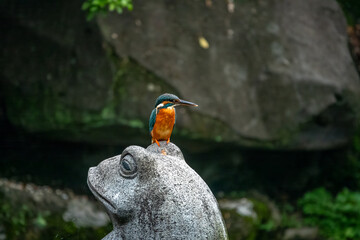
(46, 112)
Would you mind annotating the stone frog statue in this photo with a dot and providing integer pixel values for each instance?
(149, 195)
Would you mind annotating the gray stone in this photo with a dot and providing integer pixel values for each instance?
(83, 214)
(78, 209)
(276, 73)
(149, 195)
(71, 85)
(248, 216)
(273, 74)
(243, 207)
(306, 233)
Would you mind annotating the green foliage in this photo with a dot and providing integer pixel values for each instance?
(94, 7)
(14, 220)
(337, 218)
(351, 9)
(56, 226)
(289, 217)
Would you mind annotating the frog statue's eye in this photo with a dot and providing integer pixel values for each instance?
(128, 167)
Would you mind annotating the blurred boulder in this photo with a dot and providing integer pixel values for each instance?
(304, 233)
(272, 74)
(33, 212)
(250, 217)
(42, 199)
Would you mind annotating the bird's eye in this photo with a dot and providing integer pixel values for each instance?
(128, 167)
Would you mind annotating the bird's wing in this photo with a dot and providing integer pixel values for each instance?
(152, 120)
(175, 116)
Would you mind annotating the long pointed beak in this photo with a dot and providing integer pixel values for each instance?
(186, 103)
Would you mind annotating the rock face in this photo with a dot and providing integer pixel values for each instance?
(60, 79)
(273, 74)
(271, 69)
(149, 195)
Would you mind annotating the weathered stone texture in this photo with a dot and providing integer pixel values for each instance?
(271, 68)
(149, 195)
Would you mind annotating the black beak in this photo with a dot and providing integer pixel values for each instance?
(186, 103)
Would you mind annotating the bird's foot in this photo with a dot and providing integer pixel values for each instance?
(157, 142)
(167, 142)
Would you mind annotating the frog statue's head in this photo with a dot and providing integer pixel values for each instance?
(149, 195)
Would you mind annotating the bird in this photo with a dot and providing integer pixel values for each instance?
(163, 117)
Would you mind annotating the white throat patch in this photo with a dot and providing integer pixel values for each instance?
(160, 105)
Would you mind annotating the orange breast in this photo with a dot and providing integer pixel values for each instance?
(164, 124)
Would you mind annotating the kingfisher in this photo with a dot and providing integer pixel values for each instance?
(163, 117)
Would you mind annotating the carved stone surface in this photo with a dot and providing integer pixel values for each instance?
(149, 195)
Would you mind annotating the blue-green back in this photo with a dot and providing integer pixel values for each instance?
(152, 120)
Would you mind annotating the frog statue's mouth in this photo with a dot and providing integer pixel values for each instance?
(105, 201)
